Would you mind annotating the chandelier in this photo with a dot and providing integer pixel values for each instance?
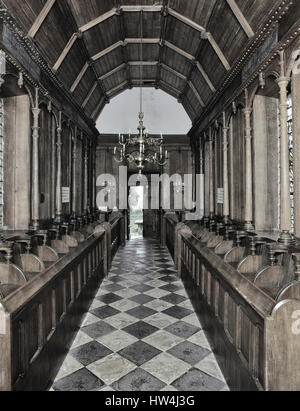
(141, 149)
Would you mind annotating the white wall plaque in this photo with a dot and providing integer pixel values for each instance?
(65, 195)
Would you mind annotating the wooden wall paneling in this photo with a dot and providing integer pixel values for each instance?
(45, 160)
(66, 164)
(17, 157)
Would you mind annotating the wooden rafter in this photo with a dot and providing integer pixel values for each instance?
(205, 76)
(179, 51)
(98, 20)
(154, 8)
(218, 51)
(65, 51)
(87, 99)
(110, 73)
(120, 86)
(98, 108)
(176, 73)
(41, 18)
(186, 20)
(79, 77)
(241, 18)
(171, 88)
(148, 41)
(190, 83)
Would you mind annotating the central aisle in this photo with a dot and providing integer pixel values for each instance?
(141, 333)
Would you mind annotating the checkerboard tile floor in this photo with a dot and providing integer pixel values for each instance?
(141, 333)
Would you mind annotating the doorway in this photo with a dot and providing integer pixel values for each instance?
(136, 212)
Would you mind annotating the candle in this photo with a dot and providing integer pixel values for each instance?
(167, 155)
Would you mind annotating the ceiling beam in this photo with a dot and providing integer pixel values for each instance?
(66, 51)
(205, 76)
(206, 35)
(79, 78)
(110, 73)
(155, 8)
(218, 51)
(98, 20)
(163, 32)
(115, 11)
(98, 109)
(143, 41)
(241, 18)
(120, 86)
(196, 94)
(146, 9)
(107, 50)
(143, 63)
(176, 73)
(41, 18)
(186, 20)
(86, 100)
(147, 41)
(179, 51)
(171, 88)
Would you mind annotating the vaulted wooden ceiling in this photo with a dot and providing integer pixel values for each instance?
(93, 46)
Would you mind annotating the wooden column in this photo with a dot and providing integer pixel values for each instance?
(53, 165)
(35, 164)
(90, 196)
(248, 166)
(201, 171)
(85, 177)
(74, 173)
(285, 200)
(225, 170)
(58, 217)
(211, 176)
(296, 132)
(94, 175)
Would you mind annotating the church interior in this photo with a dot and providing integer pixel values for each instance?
(143, 261)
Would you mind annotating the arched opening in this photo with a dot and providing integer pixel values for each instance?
(163, 114)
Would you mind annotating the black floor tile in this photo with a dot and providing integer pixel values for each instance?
(173, 298)
(91, 352)
(138, 380)
(183, 330)
(195, 380)
(109, 298)
(139, 353)
(190, 353)
(140, 330)
(82, 380)
(178, 312)
(97, 330)
(141, 312)
(105, 312)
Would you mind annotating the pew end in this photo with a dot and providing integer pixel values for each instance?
(282, 335)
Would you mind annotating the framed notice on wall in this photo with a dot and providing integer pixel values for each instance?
(65, 195)
(220, 199)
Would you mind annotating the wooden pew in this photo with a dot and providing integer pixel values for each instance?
(252, 328)
(40, 319)
(11, 276)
